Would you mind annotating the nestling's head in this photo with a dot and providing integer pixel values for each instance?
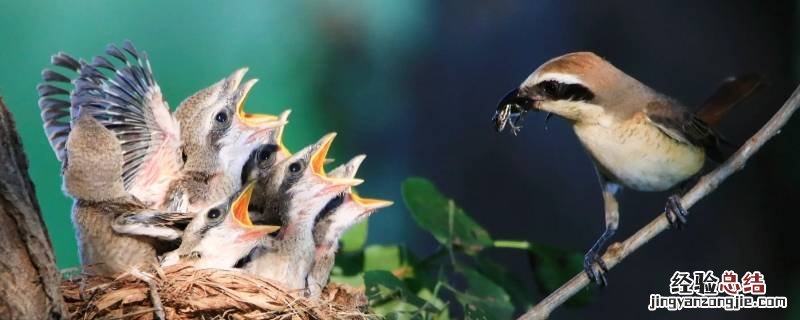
(267, 154)
(216, 133)
(578, 86)
(297, 188)
(221, 236)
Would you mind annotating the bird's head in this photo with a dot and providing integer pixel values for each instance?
(267, 154)
(221, 235)
(579, 87)
(297, 188)
(217, 134)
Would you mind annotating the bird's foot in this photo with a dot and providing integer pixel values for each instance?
(676, 213)
(595, 268)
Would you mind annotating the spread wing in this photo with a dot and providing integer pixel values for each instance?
(54, 102)
(123, 96)
(731, 91)
(683, 126)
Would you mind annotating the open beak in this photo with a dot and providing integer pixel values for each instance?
(368, 204)
(256, 121)
(239, 208)
(284, 117)
(318, 164)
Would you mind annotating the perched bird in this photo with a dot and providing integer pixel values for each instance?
(115, 231)
(184, 162)
(341, 213)
(296, 190)
(637, 137)
(221, 236)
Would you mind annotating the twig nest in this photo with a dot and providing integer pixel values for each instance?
(189, 293)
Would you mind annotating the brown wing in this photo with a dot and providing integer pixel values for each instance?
(125, 98)
(683, 126)
(730, 92)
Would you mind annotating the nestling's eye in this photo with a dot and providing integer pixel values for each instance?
(214, 214)
(221, 117)
(266, 152)
(295, 167)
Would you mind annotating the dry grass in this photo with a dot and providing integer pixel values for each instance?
(188, 293)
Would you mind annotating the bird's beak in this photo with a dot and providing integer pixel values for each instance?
(284, 117)
(239, 208)
(255, 121)
(368, 204)
(512, 107)
(318, 164)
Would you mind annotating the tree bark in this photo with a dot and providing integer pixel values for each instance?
(29, 278)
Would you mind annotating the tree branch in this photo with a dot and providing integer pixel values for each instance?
(708, 183)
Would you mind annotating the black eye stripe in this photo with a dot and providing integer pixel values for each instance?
(565, 91)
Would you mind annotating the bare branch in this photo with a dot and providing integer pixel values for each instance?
(708, 183)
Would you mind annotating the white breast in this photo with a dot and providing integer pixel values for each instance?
(639, 155)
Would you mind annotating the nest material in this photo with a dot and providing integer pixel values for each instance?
(188, 293)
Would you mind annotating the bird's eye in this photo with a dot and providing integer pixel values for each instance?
(266, 152)
(295, 167)
(214, 214)
(221, 117)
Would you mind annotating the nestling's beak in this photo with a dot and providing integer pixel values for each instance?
(241, 216)
(284, 117)
(512, 108)
(255, 121)
(368, 204)
(317, 163)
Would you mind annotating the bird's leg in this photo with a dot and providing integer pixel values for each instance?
(593, 263)
(676, 213)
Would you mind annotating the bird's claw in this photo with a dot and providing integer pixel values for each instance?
(676, 213)
(595, 268)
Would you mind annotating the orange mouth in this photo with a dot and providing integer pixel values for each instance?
(239, 209)
(370, 204)
(318, 164)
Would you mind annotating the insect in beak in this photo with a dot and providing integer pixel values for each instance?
(511, 111)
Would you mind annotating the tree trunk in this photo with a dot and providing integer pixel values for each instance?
(29, 278)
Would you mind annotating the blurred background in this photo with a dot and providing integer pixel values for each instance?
(413, 84)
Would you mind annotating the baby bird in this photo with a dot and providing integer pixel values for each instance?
(183, 162)
(221, 236)
(295, 190)
(340, 215)
(218, 138)
(115, 231)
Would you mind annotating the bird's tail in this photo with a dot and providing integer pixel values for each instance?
(731, 92)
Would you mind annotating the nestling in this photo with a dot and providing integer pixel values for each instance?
(221, 236)
(637, 137)
(343, 212)
(181, 163)
(295, 190)
(115, 230)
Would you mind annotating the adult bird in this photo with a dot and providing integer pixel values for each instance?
(637, 137)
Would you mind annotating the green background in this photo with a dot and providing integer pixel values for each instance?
(191, 44)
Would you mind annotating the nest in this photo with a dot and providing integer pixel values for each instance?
(183, 292)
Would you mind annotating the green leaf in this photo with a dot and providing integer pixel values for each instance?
(440, 216)
(484, 299)
(389, 258)
(355, 238)
(387, 294)
(520, 295)
(552, 267)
